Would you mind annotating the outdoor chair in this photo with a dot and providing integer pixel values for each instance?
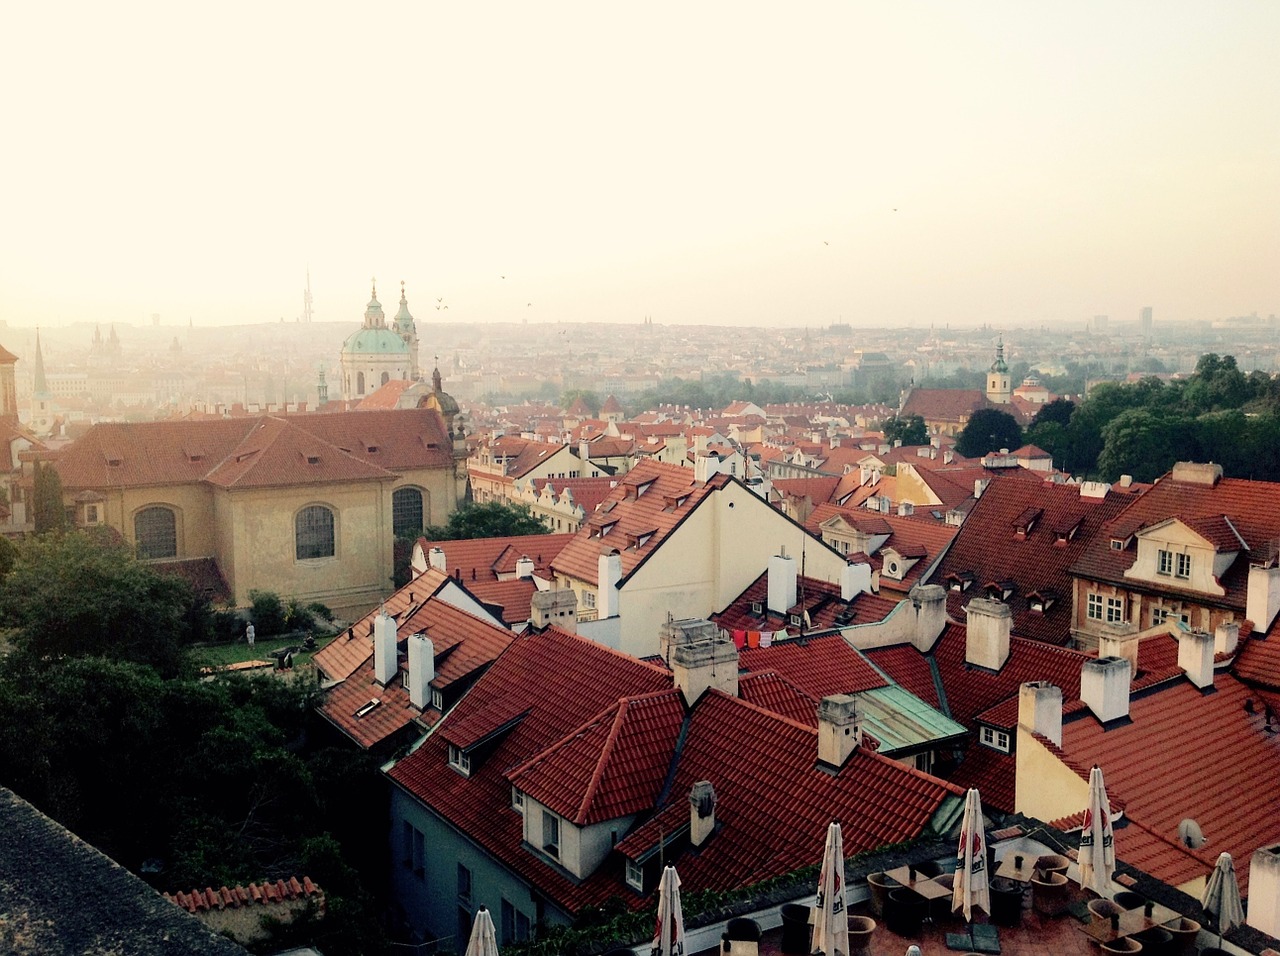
(905, 911)
(741, 938)
(796, 930)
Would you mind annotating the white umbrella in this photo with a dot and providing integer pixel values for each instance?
(483, 941)
(668, 935)
(971, 887)
(1222, 896)
(830, 918)
(1097, 844)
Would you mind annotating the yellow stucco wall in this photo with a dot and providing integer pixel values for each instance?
(1046, 788)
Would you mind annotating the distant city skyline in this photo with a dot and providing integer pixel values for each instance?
(922, 163)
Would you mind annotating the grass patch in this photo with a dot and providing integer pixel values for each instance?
(219, 655)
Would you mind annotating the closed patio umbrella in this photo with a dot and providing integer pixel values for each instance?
(1097, 844)
(1222, 896)
(668, 935)
(972, 886)
(483, 941)
(830, 918)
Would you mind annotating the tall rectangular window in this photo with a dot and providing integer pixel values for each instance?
(551, 833)
(1183, 567)
(313, 533)
(1164, 562)
(1093, 609)
(1115, 610)
(464, 883)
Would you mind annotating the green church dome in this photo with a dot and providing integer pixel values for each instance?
(374, 341)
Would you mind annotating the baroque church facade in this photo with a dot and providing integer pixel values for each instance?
(378, 353)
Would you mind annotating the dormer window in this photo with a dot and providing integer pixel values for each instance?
(995, 739)
(1119, 544)
(437, 699)
(1182, 565)
(757, 608)
(517, 800)
(635, 875)
(459, 760)
(795, 620)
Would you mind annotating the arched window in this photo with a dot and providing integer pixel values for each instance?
(313, 533)
(386, 377)
(156, 531)
(359, 383)
(406, 512)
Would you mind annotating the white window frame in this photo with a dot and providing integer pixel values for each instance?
(635, 875)
(1164, 562)
(1115, 610)
(589, 599)
(1093, 606)
(459, 760)
(995, 739)
(517, 800)
(550, 834)
(437, 699)
(1182, 565)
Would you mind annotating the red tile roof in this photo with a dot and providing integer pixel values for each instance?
(586, 492)
(612, 766)
(514, 597)
(817, 490)
(266, 893)
(769, 691)
(668, 494)
(261, 451)
(820, 599)
(952, 405)
(484, 559)
(1253, 508)
(819, 666)
(1164, 773)
(912, 537)
(1258, 658)
(989, 546)
(992, 772)
(908, 668)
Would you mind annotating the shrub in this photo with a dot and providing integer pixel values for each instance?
(267, 612)
(320, 612)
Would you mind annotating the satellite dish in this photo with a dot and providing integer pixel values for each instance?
(1190, 835)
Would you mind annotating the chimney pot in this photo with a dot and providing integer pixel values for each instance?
(839, 729)
(702, 812)
(1195, 656)
(422, 669)
(1104, 687)
(1040, 709)
(701, 657)
(987, 633)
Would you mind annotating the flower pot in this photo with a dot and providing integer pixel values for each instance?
(861, 929)
(1049, 894)
(1122, 945)
(796, 932)
(1184, 933)
(1053, 863)
(879, 885)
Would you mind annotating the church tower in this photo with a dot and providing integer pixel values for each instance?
(999, 385)
(405, 328)
(41, 399)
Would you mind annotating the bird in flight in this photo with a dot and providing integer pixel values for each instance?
(825, 243)
(528, 303)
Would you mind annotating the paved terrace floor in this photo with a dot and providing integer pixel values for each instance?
(1037, 936)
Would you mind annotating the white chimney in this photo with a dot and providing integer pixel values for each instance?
(422, 669)
(704, 467)
(1262, 600)
(435, 559)
(702, 658)
(524, 567)
(385, 661)
(1040, 710)
(987, 633)
(702, 812)
(558, 607)
(906, 509)
(1195, 656)
(930, 604)
(1094, 489)
(839, 729)
(1226, 638)
(608, 574)
(1104, 687)
(855, 579)
(1264, 890)
(782, 583)
(979, 486)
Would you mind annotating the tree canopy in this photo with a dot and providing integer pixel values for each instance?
(989, 430)
(489, 519)
(909, 431)
(84, 594)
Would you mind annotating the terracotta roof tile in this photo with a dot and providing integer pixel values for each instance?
(483, 559)
(820, 599)
(819, 666)
(908, 668)
(769, 691)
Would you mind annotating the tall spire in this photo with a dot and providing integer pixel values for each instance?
(306, 298)
(41, 387)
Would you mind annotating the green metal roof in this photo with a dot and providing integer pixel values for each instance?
(378, 341)
(902, 722)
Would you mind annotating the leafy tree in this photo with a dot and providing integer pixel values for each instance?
(80, 593)
(1057, 411)
(989, 429)
(267, 612)
(8, 554)
(489, 519)
(50, 514)
(1146, 444)
(910, 431)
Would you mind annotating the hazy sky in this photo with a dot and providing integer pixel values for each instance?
(752, 163)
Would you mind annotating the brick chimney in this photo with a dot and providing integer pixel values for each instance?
(782, 583)
(702, 657)
(1226, 637)
(558, 607)
(1195, 656)
(1104, 688)
(385, 661)
(1040, 709)
(702, 812)
(422, 669)
(609, 573)
(855, 579)
(839, 729)
(435, 559)
(987, 633)
(1262, 599)
(930, 604)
